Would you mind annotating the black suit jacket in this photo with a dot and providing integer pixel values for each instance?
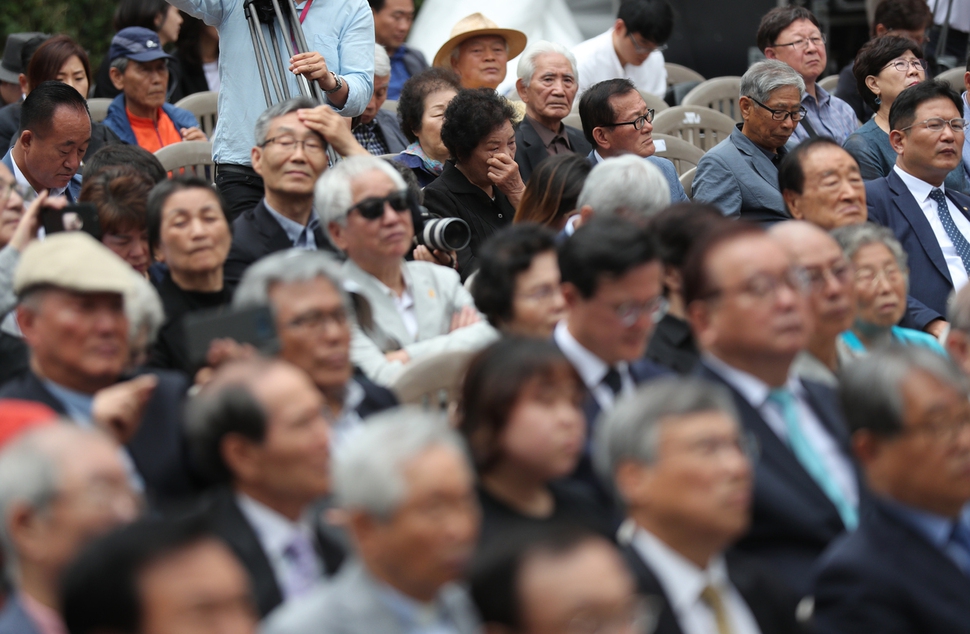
(530, 151)
(256, 234)
(793, 520)
(227, 521)
(157, 448)
(892, 205)
(376, 398)
(771, 603)
(887, 578)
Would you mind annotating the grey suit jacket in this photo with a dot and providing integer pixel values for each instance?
(438, 295)
(737, 176)
(350, 604)
(391, 129)
(14, 619)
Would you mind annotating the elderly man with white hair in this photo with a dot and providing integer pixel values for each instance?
(61, 485)
(407, 491)
(547, 84)
(417, 308)
(378, 131)
(623, 186)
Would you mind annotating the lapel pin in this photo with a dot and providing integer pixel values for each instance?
(431, 293)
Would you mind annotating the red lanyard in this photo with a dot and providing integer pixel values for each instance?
(305, 9)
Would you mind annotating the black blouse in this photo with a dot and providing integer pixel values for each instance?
(453, 195)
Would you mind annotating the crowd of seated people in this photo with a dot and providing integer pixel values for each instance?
(413, 355)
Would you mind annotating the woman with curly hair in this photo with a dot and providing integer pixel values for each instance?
(481, 183)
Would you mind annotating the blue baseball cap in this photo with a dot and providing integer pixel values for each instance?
(137, 43)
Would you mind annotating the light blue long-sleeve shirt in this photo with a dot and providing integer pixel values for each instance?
(342, 31)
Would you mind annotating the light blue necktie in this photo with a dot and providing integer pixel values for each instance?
(959, 241)
(809, 458)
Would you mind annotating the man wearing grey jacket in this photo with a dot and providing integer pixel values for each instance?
(417, 308)
(407, 492)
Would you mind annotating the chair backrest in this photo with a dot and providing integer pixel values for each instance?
(720, 93)
(390, 104)
(954, 77)
(433, 382)
(829, 83)
(701, 126)
(98, 107)
(193, 157)
(683, 154)
(653, 101)
(677, 74)
(205, 106)
(687, 181)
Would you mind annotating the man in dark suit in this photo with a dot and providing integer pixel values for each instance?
(677, 458)
(289, 157)
(378, 130)
(748, 307)
(258, 431)
(547, 85)
(929, 220)
(907, 568)
(611, 283)
(71, 290)
(304, 291)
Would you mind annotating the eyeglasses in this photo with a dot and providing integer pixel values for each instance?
(640, 48)
(373, 208)
(746, 444)
(288, 143)
(781, 115)
(640, 616)
(802, 44)
(869, 277)
(541, 294)
(945, 432)
(8, 187)
(841, 272)
(765, 286)
(903, 65)
(637, 123)
(629, 312)
(936, 124)
(318, 319)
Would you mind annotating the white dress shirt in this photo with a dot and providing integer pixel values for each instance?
(275, 533)
(921, 192)
(755, 392)
(959, 13)
(22, 180)
(966, 137)
(596, 61)
(592, 370)
(682, 581)
(404, 303)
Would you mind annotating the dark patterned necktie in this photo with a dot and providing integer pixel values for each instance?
(959, 241)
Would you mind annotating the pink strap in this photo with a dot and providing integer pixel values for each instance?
(305, 9)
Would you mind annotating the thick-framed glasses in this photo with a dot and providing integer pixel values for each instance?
(903, 65)
(289, 143)
(936, 124)
(802, 44)
(373, 208)
(628, 313)
(643, 50)
(781, 115)
(765, 286)
(637, 123)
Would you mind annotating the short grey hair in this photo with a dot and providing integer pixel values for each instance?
(958, 311)
(382, 63)
(287, 267)
(870, 387)
(278, 110)
(853, 237)
(626, 184)
(30, 475)
(630, 431)
(121, 63)
(527, 61)
(333, 194)
(143, 307)
(767, 76)
(368, 471)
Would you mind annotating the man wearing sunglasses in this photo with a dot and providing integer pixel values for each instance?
(416, 308)
(616, 121)
(792, 35)
(740, 174)
(930, 220)
(632, 48)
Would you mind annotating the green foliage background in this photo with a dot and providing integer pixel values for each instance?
(87, 21)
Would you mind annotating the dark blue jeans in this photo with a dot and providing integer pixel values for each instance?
(240, 186)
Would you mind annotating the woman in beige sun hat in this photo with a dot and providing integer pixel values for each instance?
(479, 51)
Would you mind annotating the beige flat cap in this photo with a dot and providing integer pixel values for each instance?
(74, 261)
(472, 26)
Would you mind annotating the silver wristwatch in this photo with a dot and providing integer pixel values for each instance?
(338, 86)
